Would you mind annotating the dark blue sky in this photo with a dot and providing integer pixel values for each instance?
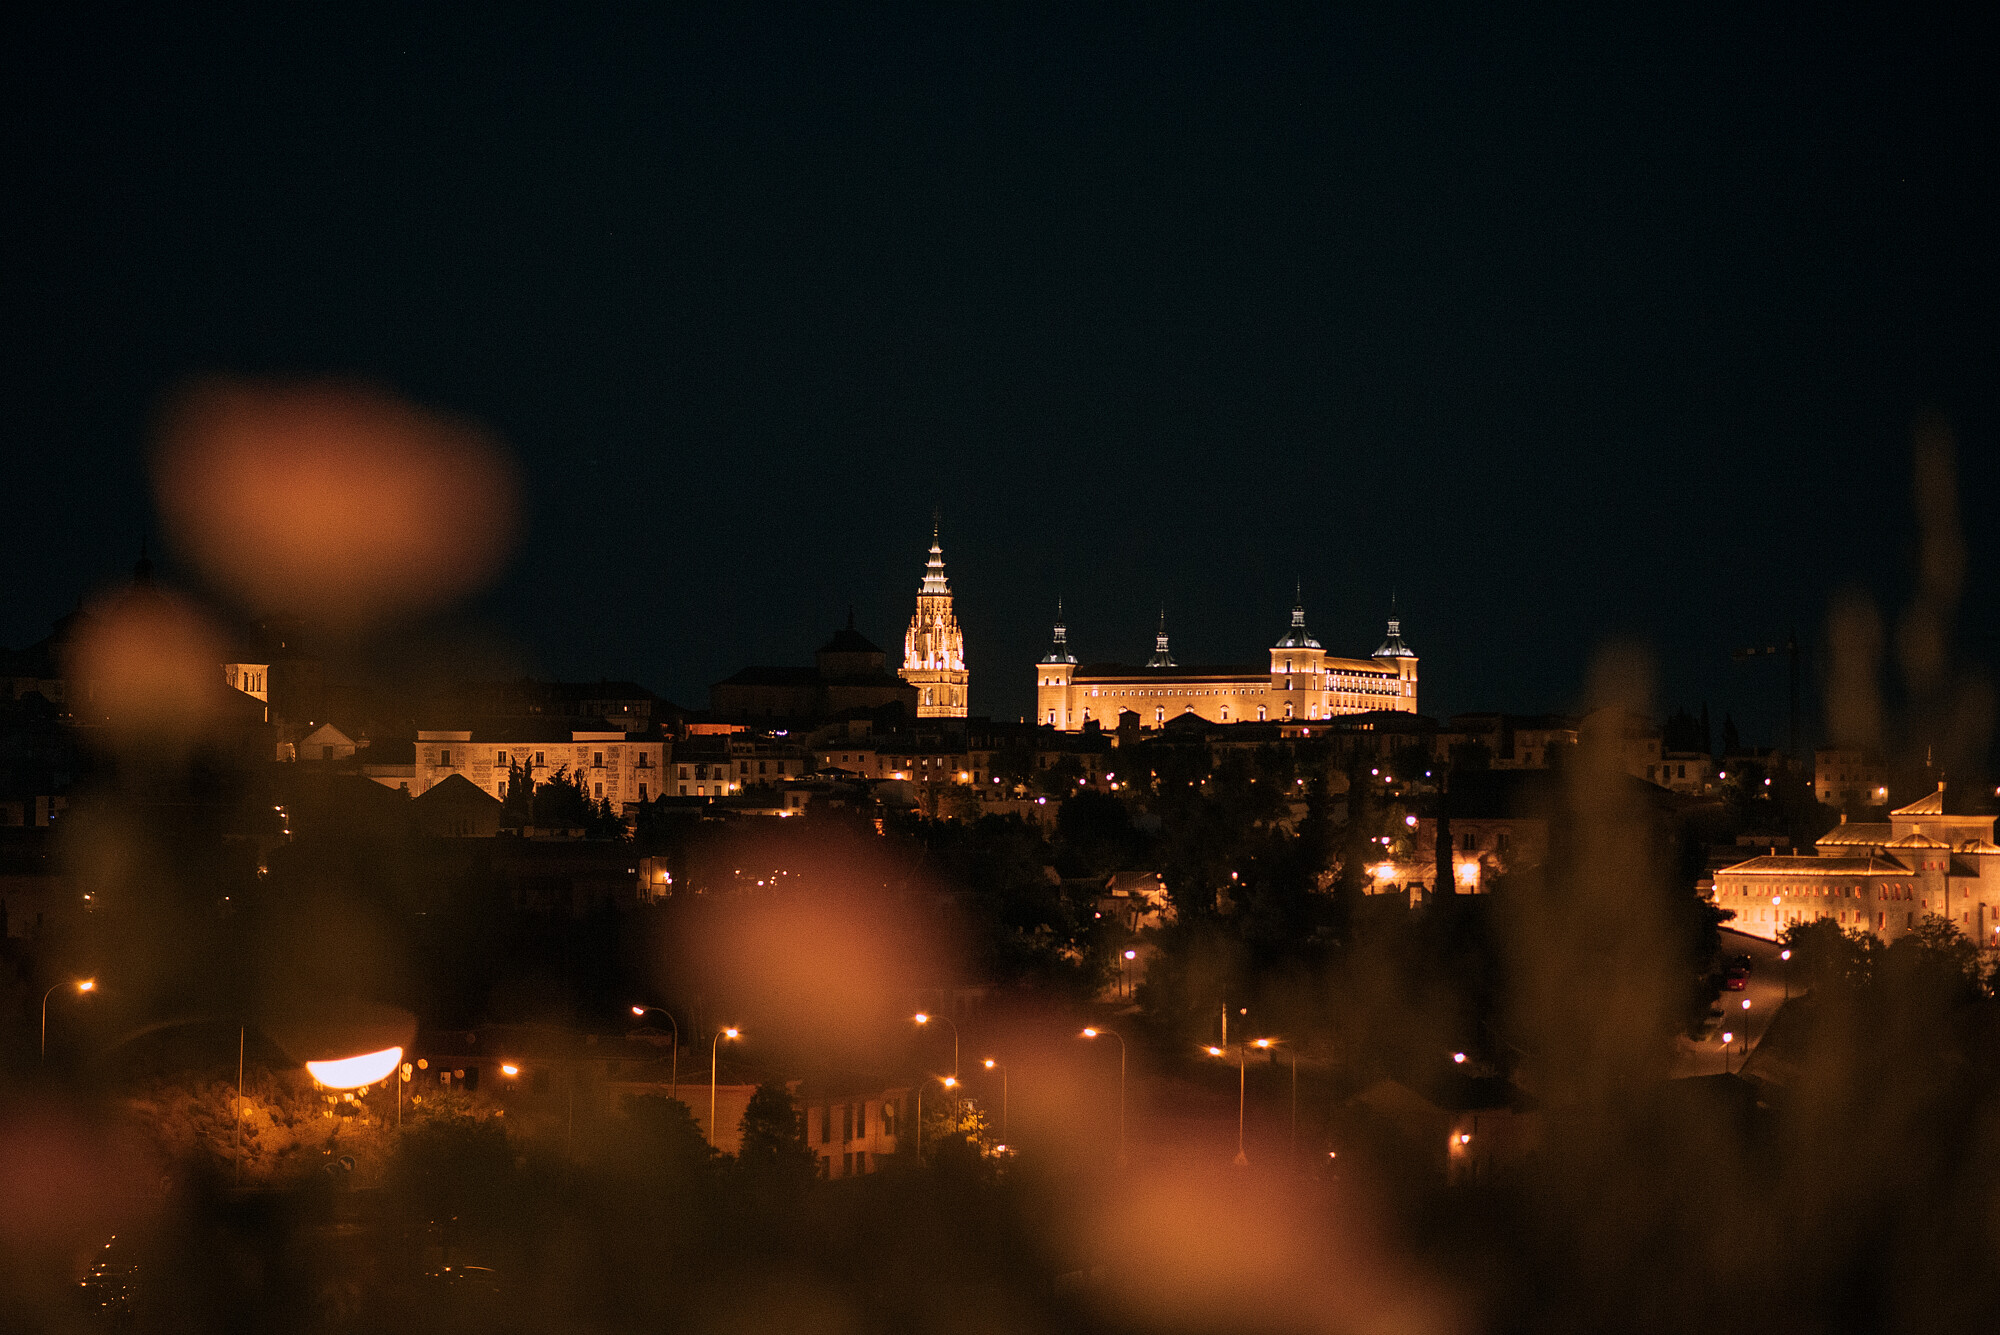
(1561, 331)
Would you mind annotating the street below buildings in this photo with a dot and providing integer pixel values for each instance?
(1766, 991)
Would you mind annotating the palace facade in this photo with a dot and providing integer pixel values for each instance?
(1883, 877)
(934, 647)
(1302, 682)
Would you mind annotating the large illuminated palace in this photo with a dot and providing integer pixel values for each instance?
(1303, 683)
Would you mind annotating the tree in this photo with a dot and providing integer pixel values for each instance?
(1447, 879)
(1933, 957)
(1094, 834)
(518, 807)
(1061, 778)
(956, 1134)
(1826, 956)
(561, 802)
(453, 1167)
(774, 1146)
(666, 1139)
(604, 821)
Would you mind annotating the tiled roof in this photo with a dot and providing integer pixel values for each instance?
(1124, 672)
(1854, 832)
(1917, 839)
(1930, 804)
(1808, 865)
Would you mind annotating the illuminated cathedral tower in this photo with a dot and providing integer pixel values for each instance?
(934, 647)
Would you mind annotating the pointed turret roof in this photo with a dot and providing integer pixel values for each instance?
(1059, 651)
(1393, 646)
(1298, 637)
(934, 582)
(1930, 804)
(1161, 657)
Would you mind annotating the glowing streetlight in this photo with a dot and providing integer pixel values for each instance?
(945, 1080)
(727, 1031)
(1291, 1055)
(921, 1018)
(509, 1070)
(1108, 1033)
(1458, 1058)
(83, 985)
(674, 1076)
(992, 1065)
(356, 1072)
(1242, 1085)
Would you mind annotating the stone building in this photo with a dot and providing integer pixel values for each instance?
(618, 767)
(1302, 682)
(1877, 876)
(848, 672)
(934, 647)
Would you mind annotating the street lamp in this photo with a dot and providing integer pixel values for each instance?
(82, 985)
(727, 1031)
(1292, 1055)
(1124, 974)
(675, 1077)
(1786, 956)
(356, 1072)
(947, 1081)
(1108, 1033)
(921, 1018)
(1242, 1159)
(992, 1065)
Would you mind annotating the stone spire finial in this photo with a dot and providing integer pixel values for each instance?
(1162, 657)
(934, 581)
(1059, 650)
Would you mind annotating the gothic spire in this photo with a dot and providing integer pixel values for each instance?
(1161, 657)
(1298, 637)
(1059, 651)
(934, 582)
(1393, 646)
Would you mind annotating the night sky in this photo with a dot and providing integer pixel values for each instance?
(1560, 332)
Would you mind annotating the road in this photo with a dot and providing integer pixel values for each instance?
(1766, 992)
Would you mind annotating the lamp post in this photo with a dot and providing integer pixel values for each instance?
(992, 1065)
(674, 1079)
(1786, 956)
(948, 1081)
(1291, 1055)
(1727, 1038)
(1746, 1035)
(727, 1031)
(1124, 974)
(82, 985)
(921, 1018)
(1242, 1159)
(1108, 1033)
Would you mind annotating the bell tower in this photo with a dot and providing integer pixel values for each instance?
(934, 647)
